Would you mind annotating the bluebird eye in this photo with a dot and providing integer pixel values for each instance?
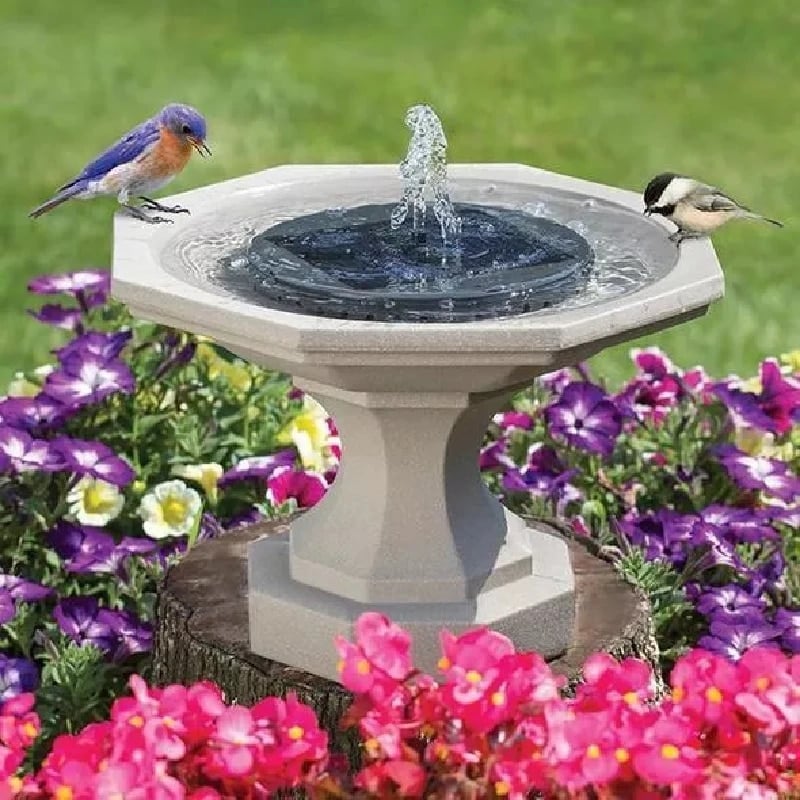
(186, 129)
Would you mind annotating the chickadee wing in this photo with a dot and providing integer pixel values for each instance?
(709, 198)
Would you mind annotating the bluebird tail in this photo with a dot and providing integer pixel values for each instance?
(65, 194)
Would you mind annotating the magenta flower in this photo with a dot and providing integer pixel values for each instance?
(69, 319)
(508, 421)
(84, 380)
(306, 488)
(27, 454)
(774, 409)
(79, 618)
(94, 459)
(586, 418)
(653, 362)
(650, 399)
(95, 343)
(759, 473)
(86, 280)
(257, 467)
(31, 413)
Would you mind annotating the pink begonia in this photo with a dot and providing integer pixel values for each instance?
(496, 726)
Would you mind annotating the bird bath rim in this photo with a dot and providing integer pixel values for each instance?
(151, 278)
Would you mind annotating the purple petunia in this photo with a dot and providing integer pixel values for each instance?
(769, 475)
(728, 602)
(27, 454)
(79, 619)
(85, 280)
(586, 418)
(663, 535)
(305, 488)
(17, 676)
(257, 467)
(731, 638)
(95, 343)
(133, 636)
(84, 548)
(495, 456)
(775, 408)
(31, 413)
(543, 473)
(14, 589)
(84, 379)
(69, 319)
(94, 459)
(789, 624)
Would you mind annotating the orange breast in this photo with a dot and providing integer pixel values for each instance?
(168, 157)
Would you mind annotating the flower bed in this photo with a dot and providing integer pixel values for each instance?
(138, 441)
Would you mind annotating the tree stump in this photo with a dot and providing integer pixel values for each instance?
(202, 628)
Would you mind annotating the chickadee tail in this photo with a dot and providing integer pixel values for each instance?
(65, 194)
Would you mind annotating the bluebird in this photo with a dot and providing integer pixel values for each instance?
(142, 161)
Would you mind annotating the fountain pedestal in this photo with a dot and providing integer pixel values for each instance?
(409, 528)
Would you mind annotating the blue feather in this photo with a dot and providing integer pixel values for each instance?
(124, 150)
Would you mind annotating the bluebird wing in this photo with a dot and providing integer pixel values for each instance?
(125, 149)
(709, 198)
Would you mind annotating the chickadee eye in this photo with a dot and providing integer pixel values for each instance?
(186, 129)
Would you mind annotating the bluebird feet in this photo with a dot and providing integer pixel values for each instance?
(139, 214)
(154, 205)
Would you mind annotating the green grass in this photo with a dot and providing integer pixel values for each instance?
(610, 90)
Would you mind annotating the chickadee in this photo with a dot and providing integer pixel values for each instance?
(696, 208)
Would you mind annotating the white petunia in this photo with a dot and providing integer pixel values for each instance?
(171, 509)
(207, 475)
(95, 502)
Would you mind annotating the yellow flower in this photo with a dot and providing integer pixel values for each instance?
(20, 386)
(171, 509)
(792, 360)
(206, 475)
(234, 373)
(309, 433)
(759, 443)
(95, 502)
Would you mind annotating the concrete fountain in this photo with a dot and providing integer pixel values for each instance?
(411, 330)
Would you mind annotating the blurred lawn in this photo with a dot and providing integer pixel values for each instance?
(610, 90)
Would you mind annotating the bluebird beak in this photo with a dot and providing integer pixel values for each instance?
(200, 146)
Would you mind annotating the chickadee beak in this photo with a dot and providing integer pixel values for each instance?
(200, 146)
(648, 211)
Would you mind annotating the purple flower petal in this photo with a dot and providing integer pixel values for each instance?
(86, 280)
(133, 636)
(586, 418)
(78, 618)
(94, 343)
(85, 379)
(60, 317)
(94, 459)
(257, 467)
(31, 413)
(27, 454)
(17, 676)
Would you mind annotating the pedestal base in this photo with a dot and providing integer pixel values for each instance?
(530, 599)
(203, 630)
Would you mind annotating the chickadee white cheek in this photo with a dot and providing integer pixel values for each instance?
(689, 217)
